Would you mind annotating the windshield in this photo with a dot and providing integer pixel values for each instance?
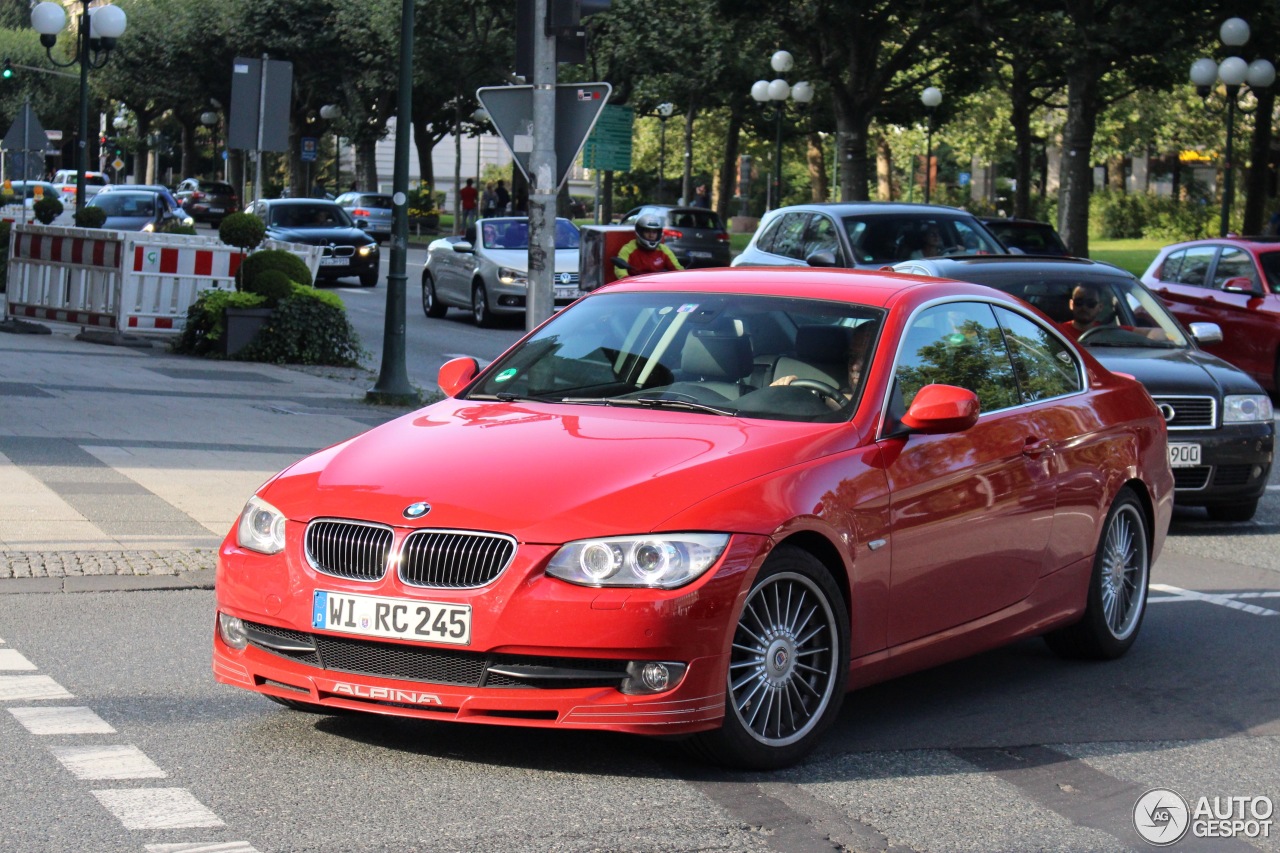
(1271, 268)
(310, 216)
(769, 357)
(513, 233)
(125, 204)
(1127, 314)
(891, 238)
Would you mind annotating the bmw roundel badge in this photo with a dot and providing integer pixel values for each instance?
(417, 510)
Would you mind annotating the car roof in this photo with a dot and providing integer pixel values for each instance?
(1259, 241)
(296, 202)
(1015, 267)
(844, 208)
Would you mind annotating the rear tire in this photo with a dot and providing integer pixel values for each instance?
(1240, 511)
(1117, 597)
(788, 665)
(480, 306)
(431, 306)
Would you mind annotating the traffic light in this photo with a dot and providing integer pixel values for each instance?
(7, 73)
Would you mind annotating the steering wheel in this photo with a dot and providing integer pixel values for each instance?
(825, 390)
(1095, 331)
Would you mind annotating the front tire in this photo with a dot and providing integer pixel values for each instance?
(788, 665)
(1117, 597)
(480, 306)
(431, 306)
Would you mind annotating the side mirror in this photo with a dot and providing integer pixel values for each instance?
(463, 246)
(457, 374)
(821, 259)
(940, 409)
(1244, 285)
(1206, 333)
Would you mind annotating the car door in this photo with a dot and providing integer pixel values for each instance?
(971, 512)
(1249, 334)
(823, 235)
(1182, 282)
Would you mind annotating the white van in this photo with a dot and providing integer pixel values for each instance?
(65, 180)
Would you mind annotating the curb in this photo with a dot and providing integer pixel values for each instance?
(200, 579)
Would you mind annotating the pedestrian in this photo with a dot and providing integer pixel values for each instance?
(489, 201)
(467, 195)
(701, 198)
(503, 198)
(646, 253)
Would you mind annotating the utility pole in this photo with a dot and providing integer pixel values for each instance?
(542, 173)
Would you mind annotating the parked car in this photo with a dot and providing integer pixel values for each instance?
(685, 548)
(348, 251)
(135, 209)
(1231, 281)
(695, 235)
(1221, 424)
(486, 270)
(65, 180)
(26, 190)
(866, 235)
(170, 200)
(1027, 236)
(372, 212)
(206, 200)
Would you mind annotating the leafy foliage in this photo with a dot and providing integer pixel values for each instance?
(271, 260)
(306, 328)
(273, 285)
(242, 230)
(91, 217)
(206, 322)
(47, 209)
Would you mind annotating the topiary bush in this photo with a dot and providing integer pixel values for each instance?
(91, 217)
(272, 285)
(308, 327)
(294, 268)
(47, 209)
(206, 323)
(242, 230)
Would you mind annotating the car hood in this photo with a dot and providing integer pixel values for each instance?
(544, 472)
(1176, 371)
(518, 259)
(320, 236)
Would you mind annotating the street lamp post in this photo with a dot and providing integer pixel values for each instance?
(777, 91)
(1234, 73)
(331, 112)
(665, 109)
(481, 118)
(930, 97)
(98, 30)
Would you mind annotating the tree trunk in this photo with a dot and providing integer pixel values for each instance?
(189, 148)
(884, 170)
(367, 165)
(1020, 119)
(817, 156)
(1115, 174)
(422, 142)
(1077, 170)
(851, 128)
(686, 184)
(1255, 182)
(727, 190)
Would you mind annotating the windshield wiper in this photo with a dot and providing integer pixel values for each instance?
(669, 403)
(506, 397)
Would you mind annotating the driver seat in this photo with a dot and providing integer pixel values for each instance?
(718, 362)
(821, 354)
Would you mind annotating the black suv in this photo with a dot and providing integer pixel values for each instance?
(207, 201)
(1027, 236)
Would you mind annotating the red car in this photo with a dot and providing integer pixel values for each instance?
(708, 503)
(1235, 283)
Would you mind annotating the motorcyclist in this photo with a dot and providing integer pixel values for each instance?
(646, 253)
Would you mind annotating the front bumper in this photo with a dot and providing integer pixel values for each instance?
(355, 266)
(1235, 464)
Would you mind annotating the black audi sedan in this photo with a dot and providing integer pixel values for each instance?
(349, 252)
(1221, 423)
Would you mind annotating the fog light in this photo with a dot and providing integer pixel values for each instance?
(652, 676)
(232, 631)
(1257, 472)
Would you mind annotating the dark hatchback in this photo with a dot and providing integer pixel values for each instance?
(1221, 424)
(207, 201)
(1027, 236)
(348, 251)
(695, 235)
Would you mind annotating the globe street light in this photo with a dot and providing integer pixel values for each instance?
(930, 97)
(1234, 73)
(98, 30)
(777, 91)
(665, 109)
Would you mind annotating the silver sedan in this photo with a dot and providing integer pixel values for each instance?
(485, 270)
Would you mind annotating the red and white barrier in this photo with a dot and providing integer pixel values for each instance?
(123, 280)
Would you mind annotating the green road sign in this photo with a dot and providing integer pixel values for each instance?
(608, 147)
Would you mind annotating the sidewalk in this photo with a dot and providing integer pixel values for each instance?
(124, 468)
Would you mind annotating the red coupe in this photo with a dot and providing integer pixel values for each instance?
(708, 503)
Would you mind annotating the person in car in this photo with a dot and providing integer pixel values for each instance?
(857, 355)
(646, 253)
(1086, 307)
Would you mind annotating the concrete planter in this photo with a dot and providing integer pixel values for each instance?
(242, 324)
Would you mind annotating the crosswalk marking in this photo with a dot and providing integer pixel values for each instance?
(61, 720)
(1177, 593)
(30, 687)
(12, 659)
(157, 808)
(107, 762)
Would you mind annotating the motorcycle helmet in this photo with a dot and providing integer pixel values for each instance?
(649, 230)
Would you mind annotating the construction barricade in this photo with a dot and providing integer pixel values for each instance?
(127, 281)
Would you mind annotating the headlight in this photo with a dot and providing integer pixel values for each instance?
(261, 527)
(366, 251)
(664, 561)
(513, 278)
(149, 227)
(1246, 409)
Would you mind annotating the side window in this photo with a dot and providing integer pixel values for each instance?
(765, 241)
(1195, 266)
(958, 343)
(821, 237)
(1234, 263)
(1042, 363)
(789, 240)
(1169, 269)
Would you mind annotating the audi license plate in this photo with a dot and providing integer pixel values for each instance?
(393, 618)
(335, 262)
(1184, 455)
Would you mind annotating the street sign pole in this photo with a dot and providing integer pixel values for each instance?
(542, 174)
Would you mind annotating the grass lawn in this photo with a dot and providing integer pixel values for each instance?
(1132, 255)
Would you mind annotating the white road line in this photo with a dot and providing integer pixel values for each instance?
(30, 687)
(157, 808)
(61, 720)
(1227, 600)
(107, 762)
(12, 659)
(197, 847)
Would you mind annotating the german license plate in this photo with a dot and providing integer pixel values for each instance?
(335, 262)
(693, 254)
(567, 293)
(392, 618)
(1184, 455)
(215, 210)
